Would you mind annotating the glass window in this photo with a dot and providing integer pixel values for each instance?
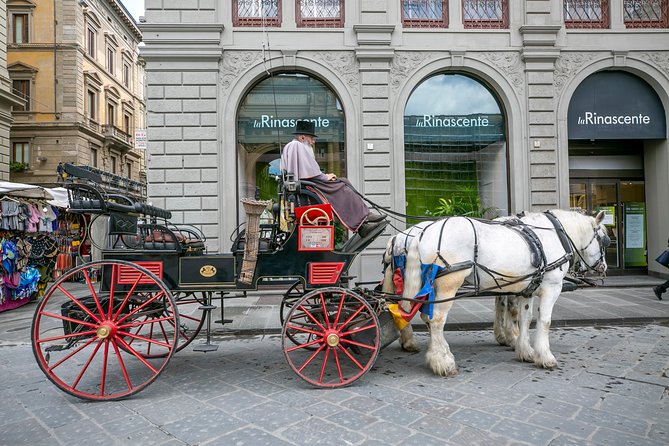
(646, 13)
(113, 164)
(266, 120)
(94, 157)
(21, 152)
(111, 114)
(455, 149)
(485, 13)
(319, 13)
(127, 123)
(256, 12)
(126, 74)
(92, 37)
(128, 170)
(91, 105)
(21, 87)
(424, 13)
(20, 28)
(586, 13)
(110, 59)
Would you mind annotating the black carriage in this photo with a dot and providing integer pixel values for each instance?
(156, 288)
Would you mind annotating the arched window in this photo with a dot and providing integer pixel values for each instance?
(455, 149)
(266, 120)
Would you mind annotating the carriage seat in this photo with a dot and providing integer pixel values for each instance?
(182, 239)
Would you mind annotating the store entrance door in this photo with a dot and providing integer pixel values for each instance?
(625, 206)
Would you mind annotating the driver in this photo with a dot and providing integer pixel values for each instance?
(298, 158)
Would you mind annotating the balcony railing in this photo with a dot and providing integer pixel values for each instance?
(485, 14)
(256, 13)
(116, 137)
(425, 13)
(93, 125)
(586, 14)
(646, 13)
(319, 13)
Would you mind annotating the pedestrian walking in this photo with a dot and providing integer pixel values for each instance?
(662, 259)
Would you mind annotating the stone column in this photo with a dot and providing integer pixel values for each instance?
(539, 53)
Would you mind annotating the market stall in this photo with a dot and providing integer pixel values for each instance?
(35, 240)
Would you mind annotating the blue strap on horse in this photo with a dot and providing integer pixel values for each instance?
(399, 262)
(428, 272)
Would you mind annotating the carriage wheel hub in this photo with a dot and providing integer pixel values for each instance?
(103, 331)
(332, 339)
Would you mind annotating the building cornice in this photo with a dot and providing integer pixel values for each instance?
(127, 19)
(10, 98)
(182, 41)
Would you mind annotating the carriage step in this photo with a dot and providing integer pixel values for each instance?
(207, 307)
(205, 348)
(224, 321)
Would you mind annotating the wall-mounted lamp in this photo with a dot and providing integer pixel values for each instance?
(42, 159)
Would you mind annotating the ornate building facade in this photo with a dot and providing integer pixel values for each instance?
(76, 63)
(426, 106)
(7, 98)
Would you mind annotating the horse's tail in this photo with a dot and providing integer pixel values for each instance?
(388, 286)
(412, 271)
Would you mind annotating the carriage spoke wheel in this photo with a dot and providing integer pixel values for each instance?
(106, 343)
(191, 319)
(294, 293)
(334, 337)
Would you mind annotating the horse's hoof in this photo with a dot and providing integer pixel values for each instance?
(548, 364)
(411, 348)
(525, 356)
(501, 340)
(445, 372)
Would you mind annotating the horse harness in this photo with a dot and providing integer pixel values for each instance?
(538, 257)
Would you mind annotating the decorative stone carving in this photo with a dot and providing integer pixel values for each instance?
(234, 63)
(405, 63)
(659, 59)
(510, 65)
(345, 64)
(566, 66)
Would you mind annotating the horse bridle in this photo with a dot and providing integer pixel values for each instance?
(603, 242)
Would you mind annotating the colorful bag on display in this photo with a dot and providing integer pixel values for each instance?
(663, 259)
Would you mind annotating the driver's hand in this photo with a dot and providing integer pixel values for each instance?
(331, 177)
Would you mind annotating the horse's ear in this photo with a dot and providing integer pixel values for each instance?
(600, 217)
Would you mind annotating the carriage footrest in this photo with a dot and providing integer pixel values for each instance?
(224, 321)
(207, 307)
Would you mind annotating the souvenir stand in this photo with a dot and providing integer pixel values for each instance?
(30, 241)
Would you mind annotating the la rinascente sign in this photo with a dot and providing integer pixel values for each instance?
(615, 105)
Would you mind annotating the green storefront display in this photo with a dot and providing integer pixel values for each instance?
(635, 234)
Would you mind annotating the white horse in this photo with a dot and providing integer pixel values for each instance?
(497, 257)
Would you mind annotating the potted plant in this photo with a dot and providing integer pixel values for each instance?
(17, 166)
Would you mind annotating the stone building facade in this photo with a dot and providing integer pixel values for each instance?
(77, 63)
(449, 99)
(7, 98)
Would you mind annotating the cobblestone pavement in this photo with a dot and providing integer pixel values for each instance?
(611, 388)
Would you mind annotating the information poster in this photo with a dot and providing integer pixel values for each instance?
(635, 234)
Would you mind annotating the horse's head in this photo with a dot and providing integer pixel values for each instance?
(591, 255)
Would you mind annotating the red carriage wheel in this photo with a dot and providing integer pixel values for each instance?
(294, 293)
(191, 319)
(331, 337)
(109, 343)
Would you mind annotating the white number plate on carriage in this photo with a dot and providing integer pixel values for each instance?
(316, 238)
